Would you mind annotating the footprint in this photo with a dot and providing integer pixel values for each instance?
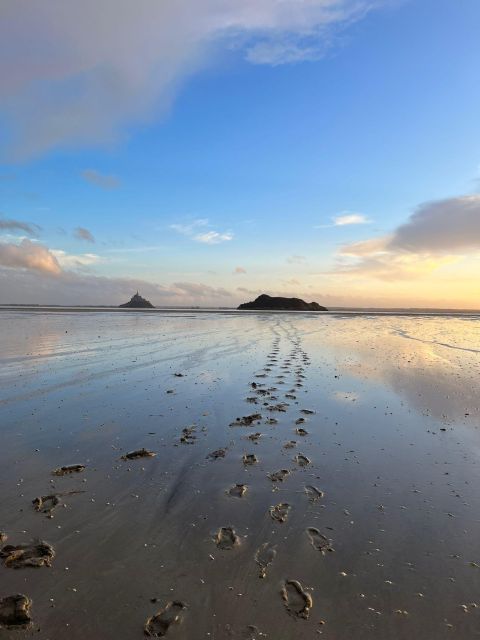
(313, 493)
(3, 537)
(271, 421)
(246, 421)
(279, 476)
(319, 541)
(255, 436)
(138, 453)
(264, 557)
(291, 444)
(237, 491)
(71, 468)
(300, 421)
(46, 504)
(297, 601)
(226, 538)
(15, 611)
(218, 453)
(158, 625)
(301, 431)
(35, 554)
(252, 400)
(188, 435)
(251, 632)
(280, 512)
(249, 458)
(302, 460)
(307, 412)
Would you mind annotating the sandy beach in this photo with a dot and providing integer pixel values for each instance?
(308, 475)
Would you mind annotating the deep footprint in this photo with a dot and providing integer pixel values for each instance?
(237, 491)
(249, 458)
(302, 460)
(226, 538)
(67, 469)
(264, 557)
(35, 554)
(15, 611)
(319, 541)
(297, 601)
(280, 512)
(138, 453)
(158, 625)
(313, 493)
(279, 476)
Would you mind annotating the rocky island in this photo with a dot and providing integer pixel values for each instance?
(269, 303)
(137, 302)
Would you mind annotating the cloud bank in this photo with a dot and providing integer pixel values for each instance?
(78, 72)
(17, 225)
(437, 234)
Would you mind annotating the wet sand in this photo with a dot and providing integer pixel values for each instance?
(347, 507)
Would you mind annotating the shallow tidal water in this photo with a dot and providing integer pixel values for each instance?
(390, 406)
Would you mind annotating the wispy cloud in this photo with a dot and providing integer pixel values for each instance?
(70, 78)
(18, 225)
(208, 236)
(296, 259)
(100, 180)
(83, 234)
(239, 271)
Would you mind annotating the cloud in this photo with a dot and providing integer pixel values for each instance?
(297, 260)
(450, 226)
(29, 255)
(100, 180)
(239, 270)
(83, 234)
(71, 261)
(350, 218)
(213, 237)
(191, 230)
(77, 75)
(17, 225)
(437, 234)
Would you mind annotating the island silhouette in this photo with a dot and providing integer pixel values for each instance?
(265, 302)
(137, 302)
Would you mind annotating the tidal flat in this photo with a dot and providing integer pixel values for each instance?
(239, 475)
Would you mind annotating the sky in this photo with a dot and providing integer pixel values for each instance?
(206, 151)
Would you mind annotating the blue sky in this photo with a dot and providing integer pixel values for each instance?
(207, 167)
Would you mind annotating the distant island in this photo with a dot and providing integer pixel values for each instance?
(269, 303)
(137, 302)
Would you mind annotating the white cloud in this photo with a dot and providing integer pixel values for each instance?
(350, 218)
(72, 261)
(191, 230)
(213, 237)
(78, 72)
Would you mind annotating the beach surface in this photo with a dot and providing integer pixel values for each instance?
(310, 475)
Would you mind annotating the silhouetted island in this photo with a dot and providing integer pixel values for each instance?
(137, 302)
(270, 303)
